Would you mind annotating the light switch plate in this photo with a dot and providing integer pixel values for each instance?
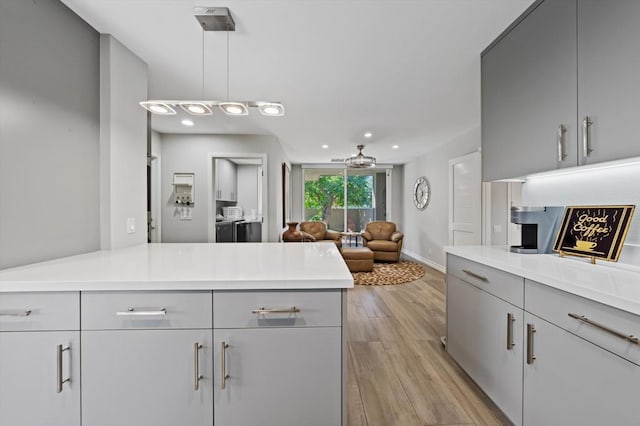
(131, 225)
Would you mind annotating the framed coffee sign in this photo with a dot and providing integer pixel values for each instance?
(597, 232)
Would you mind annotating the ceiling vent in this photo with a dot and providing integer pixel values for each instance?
(337, 160)
(215, 18)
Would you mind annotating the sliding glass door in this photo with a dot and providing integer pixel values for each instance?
(346, 199)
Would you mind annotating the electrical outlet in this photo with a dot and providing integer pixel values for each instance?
(131, 225)
(497, 228)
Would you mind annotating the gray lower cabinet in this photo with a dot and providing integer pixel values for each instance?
(40, 359)
(278, 376)
(484, 336)
(529, 95)
(608, 69)
(31, 392)
(147, 378)
(574, 382)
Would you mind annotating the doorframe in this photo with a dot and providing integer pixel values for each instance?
(156, 196)
(263, 195)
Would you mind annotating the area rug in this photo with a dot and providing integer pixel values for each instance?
(390, 273)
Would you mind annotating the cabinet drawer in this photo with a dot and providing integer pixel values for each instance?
(146, 310)
(257, 309)
(555, 306)
(501, 284)
(39, 311)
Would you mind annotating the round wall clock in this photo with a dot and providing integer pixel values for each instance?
(421, 193)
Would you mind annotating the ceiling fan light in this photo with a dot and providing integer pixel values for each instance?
(360, 161)
(234, 108)
(196, 108)
(159, 108)
(272, 109)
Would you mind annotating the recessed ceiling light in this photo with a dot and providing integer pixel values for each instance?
(368, 135)
(325, 146)
(196, 108)
(395, 146)
(187, 122)
(234, 108)
(158, 107)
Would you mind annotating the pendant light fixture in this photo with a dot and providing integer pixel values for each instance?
(360, 161)
(214, 19)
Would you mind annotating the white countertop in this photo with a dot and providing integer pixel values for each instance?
(605, 282)
(261, 266)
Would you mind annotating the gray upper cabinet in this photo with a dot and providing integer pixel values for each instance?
(226, 180)
(559, 88)
(529, 95)
(608, 70)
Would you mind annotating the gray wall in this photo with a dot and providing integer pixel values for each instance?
(49, 140)
(190, 154)
(427, 231)
(123, 145)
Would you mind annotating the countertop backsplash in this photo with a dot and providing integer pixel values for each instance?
(608, 185)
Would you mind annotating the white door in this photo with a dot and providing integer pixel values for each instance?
(465, 195)
(155, 232)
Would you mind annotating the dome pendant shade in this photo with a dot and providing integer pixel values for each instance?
(360, 161)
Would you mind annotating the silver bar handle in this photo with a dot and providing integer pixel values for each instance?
(131, 312)
(586, 143)
(562, 152)
(474, 275)
(59, 380)
(510, 320)
(628, 337)
(196, 366)
(530, 356)
(16, 313)
(223, 364)
(291, 310)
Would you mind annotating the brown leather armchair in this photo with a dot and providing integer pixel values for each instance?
(318, 232)
(383, 240)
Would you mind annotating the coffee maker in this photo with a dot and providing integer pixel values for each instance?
(538, 225)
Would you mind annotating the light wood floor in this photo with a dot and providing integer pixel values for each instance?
(398, 371)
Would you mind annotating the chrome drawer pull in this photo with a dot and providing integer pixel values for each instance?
(59, 380)
(291, 310)
(16, 313)
(510, 320)
(530, 356)
(196, 366)
(628, 337)
(132, 312)
(223, 364)
(474, 275)
(586, 142)
(562, 154)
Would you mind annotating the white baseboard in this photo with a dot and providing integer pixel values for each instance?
(428, 262)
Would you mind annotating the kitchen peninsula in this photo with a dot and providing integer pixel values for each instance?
(551, 340)
(165, 334)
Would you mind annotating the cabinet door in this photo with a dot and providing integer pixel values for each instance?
(146, 378)
(479, 328)
(29, 378)
(529, 92)
(574, 382)
(278, 377)
(608, 70)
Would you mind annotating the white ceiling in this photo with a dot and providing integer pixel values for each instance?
(408, 71)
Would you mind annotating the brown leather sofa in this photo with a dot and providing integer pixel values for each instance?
(317, 231)
(384, 240)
